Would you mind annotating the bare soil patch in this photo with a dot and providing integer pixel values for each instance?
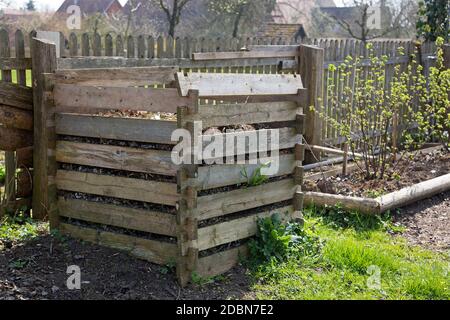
(427, 223)
(421, 167)
(37, 270)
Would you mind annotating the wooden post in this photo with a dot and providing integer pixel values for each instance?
(10, 158)
(311, 60)
(43, 61)
(447, 56)
(345, 164)
(187, 219)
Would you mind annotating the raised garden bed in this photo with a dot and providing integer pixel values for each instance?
(420, 175)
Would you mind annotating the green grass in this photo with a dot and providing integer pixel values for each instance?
(354, 248)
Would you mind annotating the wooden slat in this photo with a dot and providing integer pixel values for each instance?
(14, 139)
(16, 96)
(225, 203)
(150, 250)
(210, 177)
(183, 63)
(15, 63)
(221, 84)
(222, 262)
(202, 56)
(111, 215)
(249, 113)
(239, 229)
(117, 77)
(127, 129)
(288, 138)
(73, 98)
(113, 157)
(16, 118)
(118, 187)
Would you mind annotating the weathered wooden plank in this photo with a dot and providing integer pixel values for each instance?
(239, 229)
(127, 129)
(25, 158)
(118, 77)
(15, 63)
(311, 69)
(71, 98)
(16, 96)
(184, 63)
(221, 84)
(111, 215)
(13, 139)
(222, 262)
(287, 139)
(225, 203)
(44, 61)
(118, 187)
(16, 118)
(246, 113)
(202, 56)
(210, 177)
(114, 157)
(150, 250)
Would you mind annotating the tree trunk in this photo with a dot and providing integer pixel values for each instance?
(237, 22)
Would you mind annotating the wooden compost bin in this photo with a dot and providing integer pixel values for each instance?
(111, 179)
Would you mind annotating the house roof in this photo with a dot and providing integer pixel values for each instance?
(88, 6)
(284, 30)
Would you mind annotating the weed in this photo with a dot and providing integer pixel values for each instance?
(257, 177)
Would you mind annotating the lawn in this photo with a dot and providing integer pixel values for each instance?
(356, 257)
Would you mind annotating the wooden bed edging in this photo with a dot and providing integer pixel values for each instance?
(384, 203)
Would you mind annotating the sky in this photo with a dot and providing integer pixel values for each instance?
(55, 4)
(45, 4)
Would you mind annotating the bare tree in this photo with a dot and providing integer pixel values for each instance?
(393, 18)
(173, 10)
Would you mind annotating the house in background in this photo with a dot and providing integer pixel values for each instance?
(292, 19)
(90, 7)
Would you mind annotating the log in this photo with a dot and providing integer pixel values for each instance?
(414, 193)
(362, 205)
(25, 158)
(16, 118)
(24, 184)
(335, 151)
(13, 139)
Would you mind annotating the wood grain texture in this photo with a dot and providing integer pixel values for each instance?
(226, 203)
(221, 262)
(118, 77)
(221, 84)
(14, 139)
(17, 96)
(122, 217)
(118, 158)
(118, 187)
(210, 177)
(244, 113)
(239, 229)
(72, 98)
(16, 118)
(127, 129)
(153, 251)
